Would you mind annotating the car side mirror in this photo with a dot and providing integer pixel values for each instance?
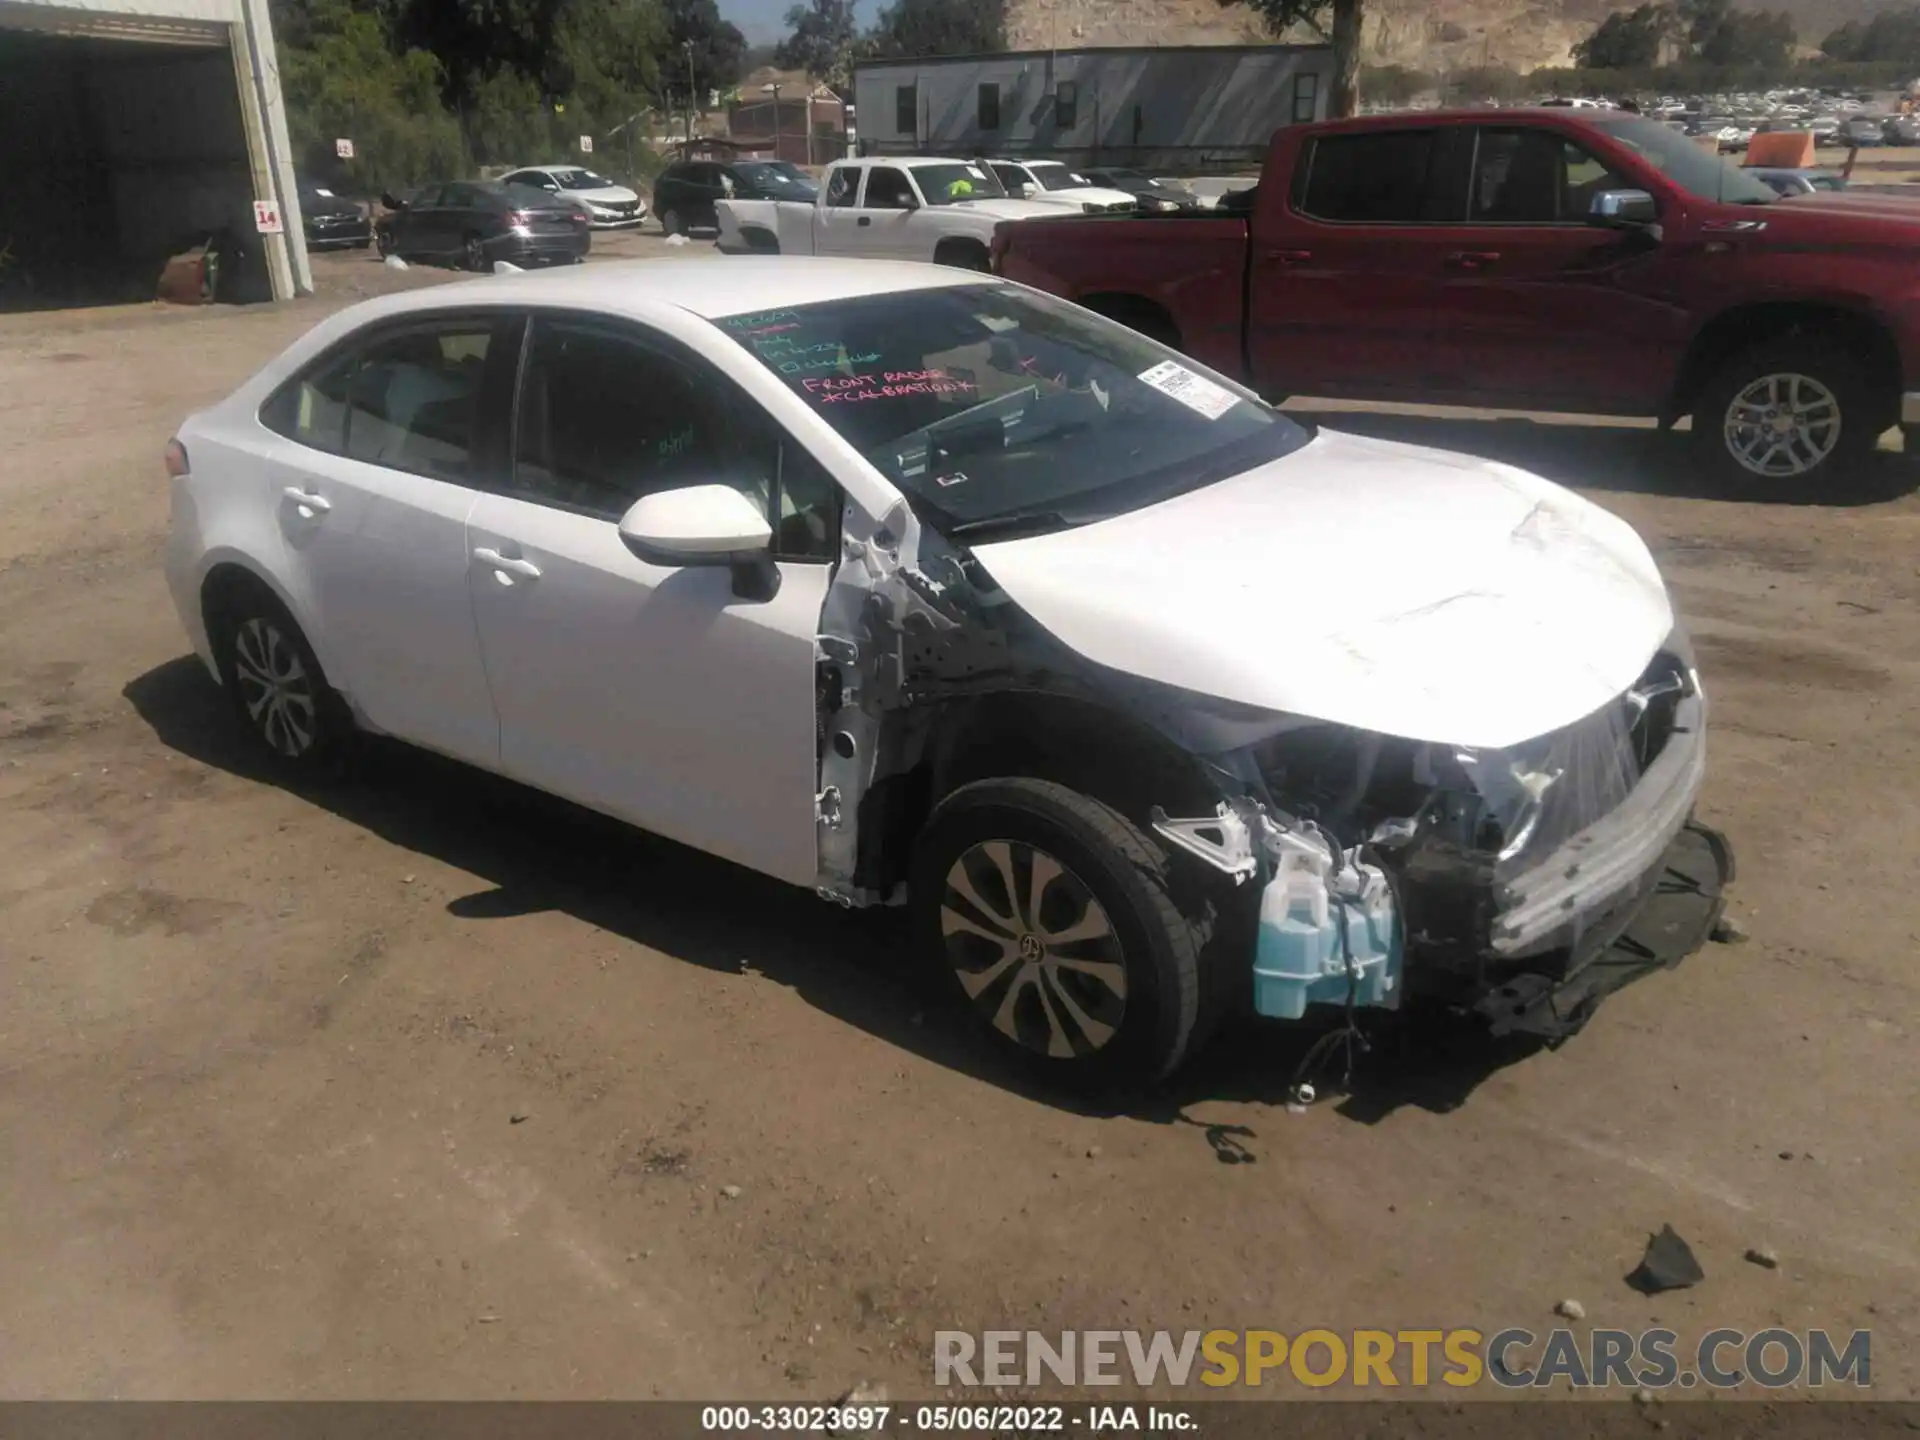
(701, 525)
(1622, 210)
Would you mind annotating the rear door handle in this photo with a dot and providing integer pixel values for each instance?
(864, 220)
(310, 504)
(1293, 257)
(1473, 259)
(507, 564)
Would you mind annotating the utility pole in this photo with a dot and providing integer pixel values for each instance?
(687, 45)
(775, 88)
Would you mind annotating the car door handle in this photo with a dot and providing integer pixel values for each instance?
(864, 220)
(312, 504)
(507, 564)
(1473, 259)
(1293, 257)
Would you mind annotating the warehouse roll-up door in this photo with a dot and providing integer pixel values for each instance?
(130, 136)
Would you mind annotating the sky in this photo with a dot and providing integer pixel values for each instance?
(764, 21)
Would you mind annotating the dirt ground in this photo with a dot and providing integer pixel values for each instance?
(426, 1086)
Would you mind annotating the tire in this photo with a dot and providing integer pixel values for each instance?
(275, 683)
(473, 255)
(670, 223)
(997, 948)
(1841, 419)
(962, 255)
(383, 241)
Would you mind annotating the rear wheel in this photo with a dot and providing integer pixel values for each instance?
(1049, 916)
(274, 680)
(1796, 417)
(671, 223)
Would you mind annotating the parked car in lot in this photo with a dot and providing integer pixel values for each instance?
(1900, 130)
(908, 585)
(1148, 193)
(906, 208)
(1540, 260)
(1863, 132)
(1052, 182)
(474, 223)
(685, 194)
(608, 206)
(331, 221)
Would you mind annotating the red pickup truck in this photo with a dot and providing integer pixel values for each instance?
(1584, 261)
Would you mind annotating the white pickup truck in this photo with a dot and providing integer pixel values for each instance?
(885, 208)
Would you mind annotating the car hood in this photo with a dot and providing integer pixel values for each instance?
(1395, 589)
(1830, 219)
(1086, 195)
(605, 195)
(319, 206)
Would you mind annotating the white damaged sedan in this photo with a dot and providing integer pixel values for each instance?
(917, 587)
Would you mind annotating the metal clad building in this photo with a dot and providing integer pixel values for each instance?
(1180, 108)
(130, 127)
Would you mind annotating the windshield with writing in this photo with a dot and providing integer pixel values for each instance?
(1000, 411)
(1693, 168)
(948, 184)
(1058, 177)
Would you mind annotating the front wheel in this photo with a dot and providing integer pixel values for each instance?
(1796, 417)
(670, 222)
(1049, 916)
(473, 254)
(962, 255)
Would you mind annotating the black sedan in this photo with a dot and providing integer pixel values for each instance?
(1153, 195)
(331, 221)
(472, 224)
(683, 196)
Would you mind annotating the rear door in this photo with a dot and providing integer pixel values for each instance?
(1347, 267)
(421, 225)
(1541, 308)
(392, 438)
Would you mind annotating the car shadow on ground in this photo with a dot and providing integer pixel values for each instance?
(1621, 458)
(536, 853)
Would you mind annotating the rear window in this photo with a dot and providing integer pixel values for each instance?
(1383, 177)
(1001, 410)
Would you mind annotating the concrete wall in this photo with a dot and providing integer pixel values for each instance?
(1177, 110)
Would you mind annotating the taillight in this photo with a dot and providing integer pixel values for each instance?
(521, 217)
(176, 460)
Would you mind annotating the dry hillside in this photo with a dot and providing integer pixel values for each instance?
(1423, 34)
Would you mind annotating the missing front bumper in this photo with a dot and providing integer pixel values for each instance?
(1679, 902)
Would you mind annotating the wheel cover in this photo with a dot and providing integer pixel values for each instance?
(1782, 425)
(476, 255)
(1033, 949)
(275, 687)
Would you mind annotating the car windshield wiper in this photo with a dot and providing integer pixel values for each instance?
(1008, 527)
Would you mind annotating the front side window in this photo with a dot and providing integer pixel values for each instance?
(996, 409)
(407, 401)
(989, 107)
(1535, 177)
(1066, 104)
(887, 189)
(605, 419)
(906, 109)
(843, 185)
(952, 183)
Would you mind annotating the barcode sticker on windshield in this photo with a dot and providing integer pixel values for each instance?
(1196, 392)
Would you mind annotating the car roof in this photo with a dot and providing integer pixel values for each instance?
(909, 162)
(710, 287)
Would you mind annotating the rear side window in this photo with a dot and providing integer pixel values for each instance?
(1380, 177)
(407, 401)
(843, 186)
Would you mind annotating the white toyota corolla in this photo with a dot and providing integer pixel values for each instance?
(913, 586)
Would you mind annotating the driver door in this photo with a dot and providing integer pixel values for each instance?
(883, 219)
(655, 694)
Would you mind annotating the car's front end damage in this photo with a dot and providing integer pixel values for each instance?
(1493, 865)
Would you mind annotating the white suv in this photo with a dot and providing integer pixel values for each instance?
(914, 586)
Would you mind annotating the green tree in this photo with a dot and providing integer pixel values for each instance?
(1626, 40)
(910, 28)
(1749, 38)
(1394, 84)
(702, 49)
(1340, 21)
(821, 40)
